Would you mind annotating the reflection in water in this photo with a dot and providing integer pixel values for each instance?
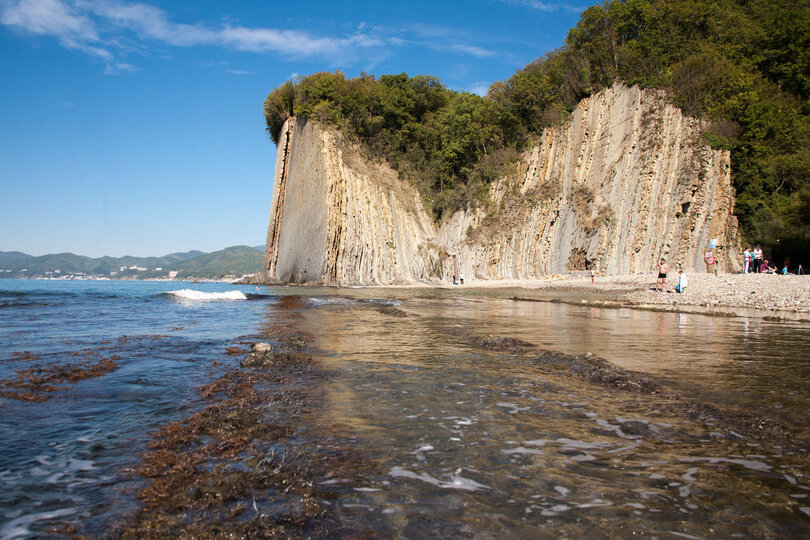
(408, 422)
(465, 441)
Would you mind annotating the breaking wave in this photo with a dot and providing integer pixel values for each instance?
(201, 296)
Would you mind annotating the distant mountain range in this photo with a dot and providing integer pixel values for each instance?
(231, 261)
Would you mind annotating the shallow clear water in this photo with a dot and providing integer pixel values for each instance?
(64, 457)
(456, 440)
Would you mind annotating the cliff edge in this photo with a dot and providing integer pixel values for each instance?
(627, 180)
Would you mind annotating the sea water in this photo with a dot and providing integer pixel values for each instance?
(65, 457)
(456, 439)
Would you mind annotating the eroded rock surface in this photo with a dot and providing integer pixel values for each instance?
(627, 180)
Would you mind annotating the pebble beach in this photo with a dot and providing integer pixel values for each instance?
(766, 293)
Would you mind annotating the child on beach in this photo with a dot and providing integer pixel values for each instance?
(681, 286)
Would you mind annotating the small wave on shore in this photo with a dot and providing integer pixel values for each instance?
(201, 296)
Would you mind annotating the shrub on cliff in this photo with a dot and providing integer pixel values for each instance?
(449, 144)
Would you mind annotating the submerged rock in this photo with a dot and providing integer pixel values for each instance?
(597, 370)
(262, 354)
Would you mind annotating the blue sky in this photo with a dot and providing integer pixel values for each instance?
(136, 128)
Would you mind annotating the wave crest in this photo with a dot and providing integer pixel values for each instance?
(201, 296)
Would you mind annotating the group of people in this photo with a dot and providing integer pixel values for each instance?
(755, 263)
(753, 259)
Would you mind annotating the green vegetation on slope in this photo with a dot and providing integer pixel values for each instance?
(447, 143)
(236, 260)
(743, 64)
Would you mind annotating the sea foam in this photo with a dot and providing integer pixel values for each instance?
(200, 296)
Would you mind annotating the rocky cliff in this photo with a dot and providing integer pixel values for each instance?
(627, 180)
(340, 219)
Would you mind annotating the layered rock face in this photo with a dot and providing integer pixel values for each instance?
(339, 219)
(626, 181)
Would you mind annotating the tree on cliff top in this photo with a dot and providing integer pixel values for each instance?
(439, 139)
(743, 64)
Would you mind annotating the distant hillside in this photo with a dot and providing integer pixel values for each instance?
(237, 260)
(7, 257)
(180, 257)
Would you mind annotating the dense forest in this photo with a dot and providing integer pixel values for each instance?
(742, 64)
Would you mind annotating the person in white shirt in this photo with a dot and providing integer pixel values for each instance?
(757, 258)
(681, 287)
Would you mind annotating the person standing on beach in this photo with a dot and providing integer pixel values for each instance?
(757, 258)
(711, 262)
(663, 270)
(461, 278)
(747, 257)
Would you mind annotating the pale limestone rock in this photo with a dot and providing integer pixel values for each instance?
(341, 219)
(626, 181)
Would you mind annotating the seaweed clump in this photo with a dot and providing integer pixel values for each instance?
(238, 467)
(597, 370)
(392, 311)
(37, 383)
(491, 342)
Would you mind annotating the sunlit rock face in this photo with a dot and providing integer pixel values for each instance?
(340, 219)
(627, 180)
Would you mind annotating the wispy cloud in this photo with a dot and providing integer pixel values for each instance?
(481, 88)
(106, 28)
(438, 38)
(470, 50)
(54, 18)
(545, 6)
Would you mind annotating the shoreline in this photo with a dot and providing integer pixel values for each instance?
(761, 295)
(767, 296)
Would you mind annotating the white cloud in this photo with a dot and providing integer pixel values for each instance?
(55, 18)
(104, 28)
(544, 6)
(470, 50)
(438, 38)
(149, 22)
(48, 17)
(291, 42)
(481, 88)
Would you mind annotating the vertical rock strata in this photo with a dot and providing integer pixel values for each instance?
(339, 219)
(277, 205)
(627, 180)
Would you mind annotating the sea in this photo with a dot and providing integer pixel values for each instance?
(396, 413)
